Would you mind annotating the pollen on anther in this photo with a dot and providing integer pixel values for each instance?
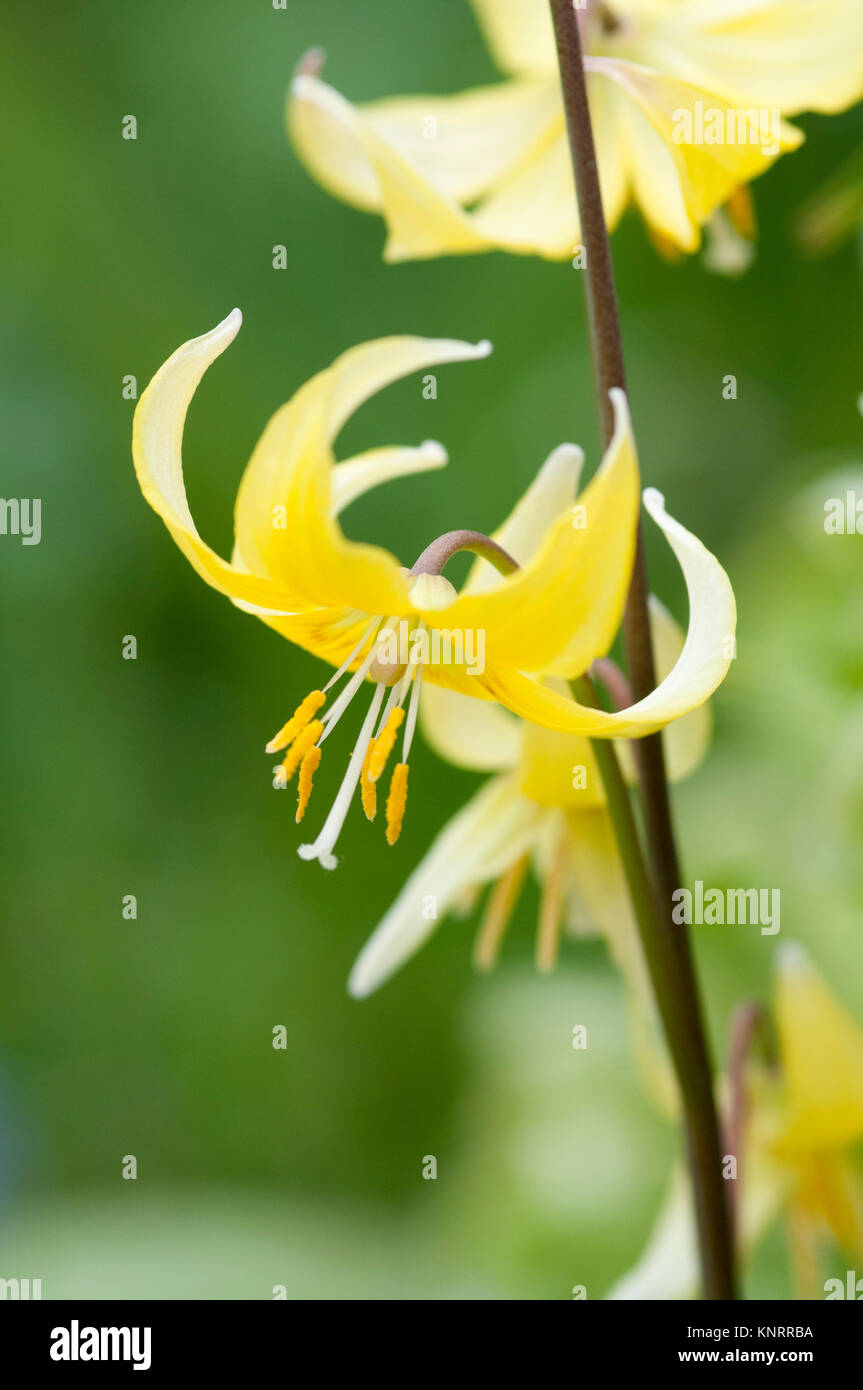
(384, 743)
(297, 722)
(308, 768)
(396, 802)
(301, 746)
(368, 790)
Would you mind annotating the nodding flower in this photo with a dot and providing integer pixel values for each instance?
(545, 596)
(688, 100)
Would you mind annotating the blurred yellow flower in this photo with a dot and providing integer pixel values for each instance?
(802, 1122)
(357, 608)
(687, 102)
(545, 807)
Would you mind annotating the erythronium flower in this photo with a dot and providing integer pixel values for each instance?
(802, 1122)
(686, 101)
(545, 806)
(376, 622)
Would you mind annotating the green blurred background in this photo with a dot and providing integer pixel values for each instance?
(153, 1037)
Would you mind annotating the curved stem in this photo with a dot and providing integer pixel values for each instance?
(436, 555)
(671, 951)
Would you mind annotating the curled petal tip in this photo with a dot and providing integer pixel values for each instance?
(231, 325)
(484, 348)
(653, 499)
(311, 64)
(433, 450)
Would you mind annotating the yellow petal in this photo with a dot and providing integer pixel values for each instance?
(358, 475)
(535, 212)
(829, 1188)
(678, 178)
(482, 840)
(821, 1052)
(552, 491)
(559, 769)
(800, 55)
(562, 609)
(284, 513)
(475, 734)
(415, 159)
(157, 437)
(466, 144)
(703, 664)
(519, 34)
(687, 739)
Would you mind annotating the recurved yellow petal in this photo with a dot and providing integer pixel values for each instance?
(564, 606)
(157, 438)
(821, 1052)
(559, 769)
(552, 491)
(358, 475)
(707, 654)
(284, 519)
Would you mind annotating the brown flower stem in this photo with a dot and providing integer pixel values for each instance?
(682, 1016)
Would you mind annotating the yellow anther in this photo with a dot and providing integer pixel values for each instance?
(297, 722)
(384, 743)
(396, 802)
(368, 790)
(300, 747)
(308, 768)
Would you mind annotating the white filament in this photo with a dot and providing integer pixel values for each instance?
(323, 847)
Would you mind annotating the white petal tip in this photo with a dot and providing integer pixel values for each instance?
(483, 348)
(435, 452)
(653, 500)
(229, 327)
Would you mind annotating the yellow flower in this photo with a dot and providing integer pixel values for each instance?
(802, 1123)
(357, 608)
(687, 99)
(545, 807)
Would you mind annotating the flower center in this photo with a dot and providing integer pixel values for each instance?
(393, 663)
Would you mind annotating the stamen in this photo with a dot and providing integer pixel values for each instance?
(368, 790)
(297, 722)
(301, 746)
(551, 912)
(337, 675)
(381, 747)
(322, 849)
(498, 911)
(337, 709)
(308, 768)
(411, 724)
(396, 802)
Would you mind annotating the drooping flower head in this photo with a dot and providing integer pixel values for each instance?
(394, 629)
(688, 102)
